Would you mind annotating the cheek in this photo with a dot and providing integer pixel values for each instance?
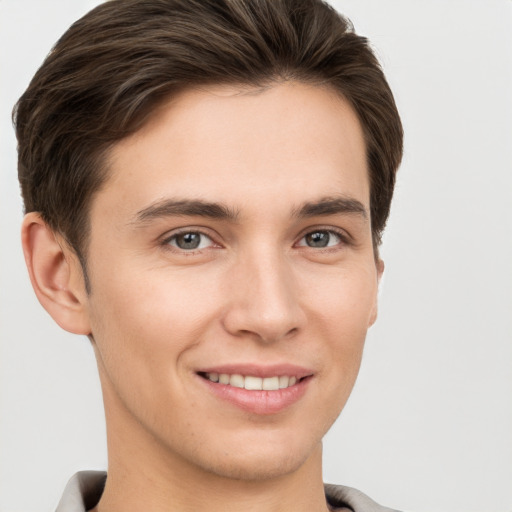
(144, 328)
(144, 321)
(342, 306)
(342, 300)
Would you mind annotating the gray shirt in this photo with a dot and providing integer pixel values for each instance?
(84, 489)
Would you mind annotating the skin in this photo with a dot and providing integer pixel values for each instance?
(253, 292)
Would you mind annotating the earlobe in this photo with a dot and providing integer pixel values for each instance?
(379, 264)
(55, 274)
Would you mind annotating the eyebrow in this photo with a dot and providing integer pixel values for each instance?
(331, 206)
(185, 207)
(198, 208)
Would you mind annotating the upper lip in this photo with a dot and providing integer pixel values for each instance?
(258, 370)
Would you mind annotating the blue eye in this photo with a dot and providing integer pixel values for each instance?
(190, 241)
(320, 239)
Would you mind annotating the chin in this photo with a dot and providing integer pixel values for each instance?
(257, 468)
(259, 461)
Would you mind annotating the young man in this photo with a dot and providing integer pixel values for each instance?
(206, 184)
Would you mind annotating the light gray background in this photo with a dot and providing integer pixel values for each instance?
(429, 426)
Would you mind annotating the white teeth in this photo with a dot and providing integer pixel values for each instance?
(270, 383)
(224, 378)
(253, 383)
(237, 381)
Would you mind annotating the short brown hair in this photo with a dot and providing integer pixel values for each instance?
(113, 67)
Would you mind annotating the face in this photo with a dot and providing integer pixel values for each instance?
(233, 277)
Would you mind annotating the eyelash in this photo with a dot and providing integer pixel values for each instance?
(342, 235)
(166, 242)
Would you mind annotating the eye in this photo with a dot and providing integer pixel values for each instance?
(320, 239)
(189, 241)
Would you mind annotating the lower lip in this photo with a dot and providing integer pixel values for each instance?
(259, 402)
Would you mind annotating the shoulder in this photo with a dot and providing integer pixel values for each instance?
(82, 492)
(342, 496)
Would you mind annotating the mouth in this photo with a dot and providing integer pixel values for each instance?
(252, 382)
(256, 390)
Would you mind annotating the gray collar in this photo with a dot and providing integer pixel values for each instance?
(84, 490)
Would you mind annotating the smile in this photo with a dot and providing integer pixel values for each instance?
(251, 382)
(256, 389)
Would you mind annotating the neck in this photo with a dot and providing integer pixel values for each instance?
(142, 488)
(144, 475)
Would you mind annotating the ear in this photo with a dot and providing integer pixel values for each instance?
(56, 275)
(379, 264)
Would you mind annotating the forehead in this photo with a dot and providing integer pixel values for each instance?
(290, 143)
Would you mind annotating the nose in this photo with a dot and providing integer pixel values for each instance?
(264, 302)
